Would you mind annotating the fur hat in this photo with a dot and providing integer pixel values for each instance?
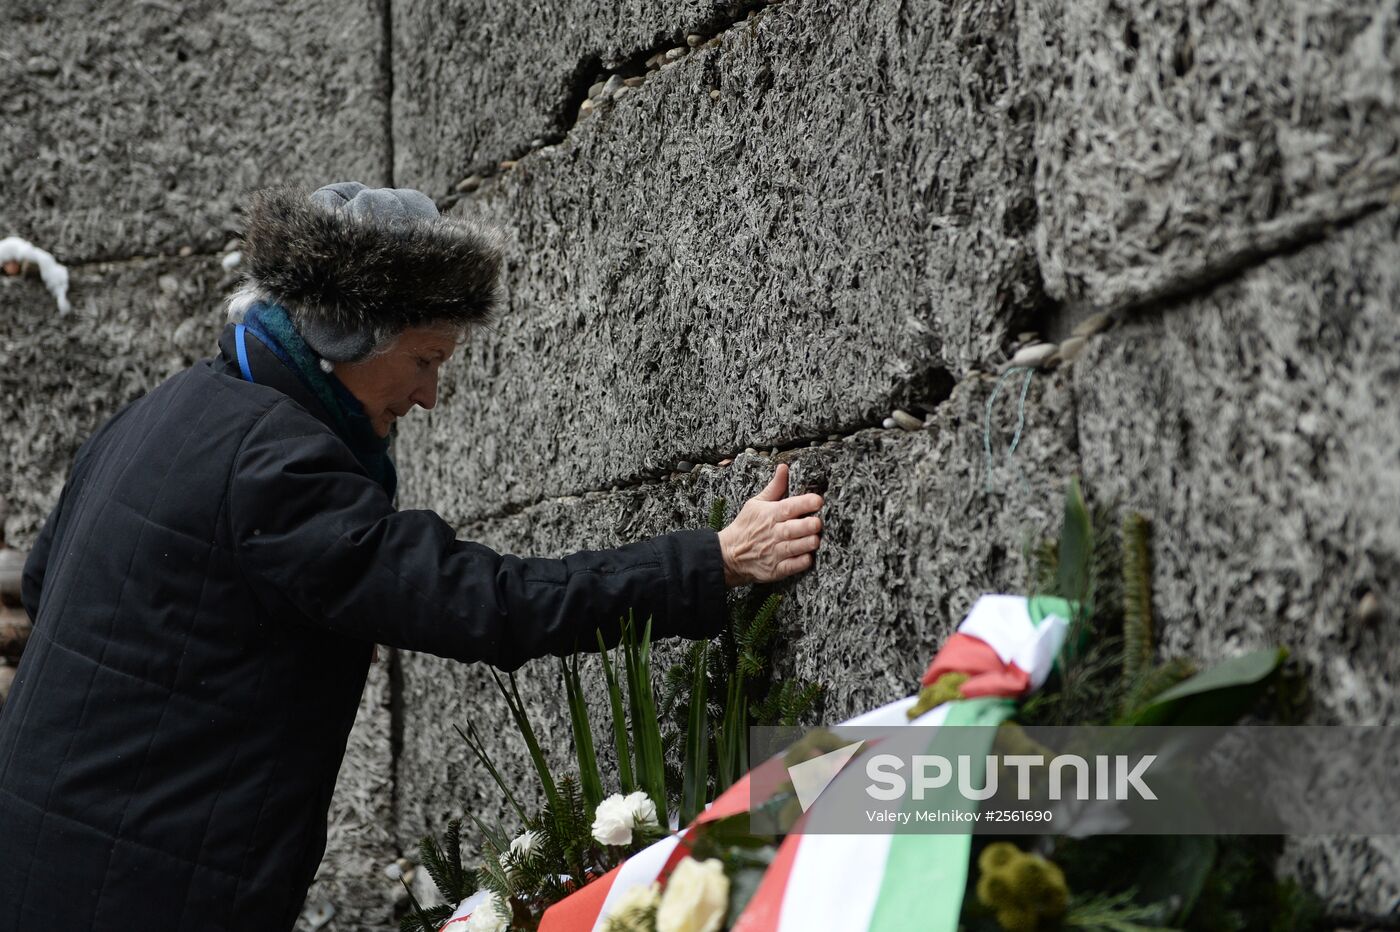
(354, 265)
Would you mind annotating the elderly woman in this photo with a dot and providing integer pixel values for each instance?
(207, 592)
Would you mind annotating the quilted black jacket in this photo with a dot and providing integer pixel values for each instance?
(206, 596)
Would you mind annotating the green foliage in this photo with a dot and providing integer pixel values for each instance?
(589, 776)
(443, 862)
(511, 693)
(619, 720)
(646, 726)
(697, 745)
(478, 748)
(1114, 913)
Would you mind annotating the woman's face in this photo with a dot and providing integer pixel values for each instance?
(390, 384)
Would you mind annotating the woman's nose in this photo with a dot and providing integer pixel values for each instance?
(425, 396)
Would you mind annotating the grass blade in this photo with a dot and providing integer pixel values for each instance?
(619, 721)
(695, 774)
(590, 779)
(478, 747)
(522, 722)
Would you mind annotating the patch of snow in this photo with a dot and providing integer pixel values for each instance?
(54, 273)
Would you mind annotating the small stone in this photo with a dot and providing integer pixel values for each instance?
(536, 142)
(12, 267)
(595, 89)
(694, 40)
(1072, 348)
(906, 420)
(613, 83)
(621, 91)
(675, 54)
(585, 108)
(1033, 356)
(655, 60)
(773, 452)
(750, 451)
(714, 95)
(231, 245)
(186, 252)
(725, 462)
(684, 466)
(231, 261)
(636, 81)
(833, 436)
(1030, 336)
(469, 184)
(507, 164)
(713, 43)
(889, 423)
(1369, 608)
(1092, 325)
(168, 284)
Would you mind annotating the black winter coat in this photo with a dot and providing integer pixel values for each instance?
(206, 596)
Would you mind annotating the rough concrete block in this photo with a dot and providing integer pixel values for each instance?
(135, 129)
(688, 276)
(1175, 141)
(133, 324)
(471, 87)
(1256, 426)
(912, 538)
(359, 840)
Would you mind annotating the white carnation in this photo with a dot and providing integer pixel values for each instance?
(523, 846)
(696, 898)
(637, 901)
(493, 915)
(643, 809)
(612, 823)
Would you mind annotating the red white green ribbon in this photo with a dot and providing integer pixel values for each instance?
(879, 882)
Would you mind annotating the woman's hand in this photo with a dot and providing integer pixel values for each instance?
(770, 539)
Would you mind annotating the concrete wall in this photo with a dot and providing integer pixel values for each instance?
(816, 213)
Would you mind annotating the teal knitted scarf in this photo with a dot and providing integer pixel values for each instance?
(271, 324)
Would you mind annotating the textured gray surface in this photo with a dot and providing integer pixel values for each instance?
(1257, 426)
(689, 276)
(133, 324)
(911, 539)
(471, 87)
(133, 129)
(359, 840)
(1176, 139)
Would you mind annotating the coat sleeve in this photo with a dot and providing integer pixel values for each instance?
(314, 534)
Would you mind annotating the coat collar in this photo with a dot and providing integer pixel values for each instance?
(268, 370)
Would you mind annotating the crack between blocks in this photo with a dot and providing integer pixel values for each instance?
(386, 77)
(590, 72)
(1211, 276)
(939, 380)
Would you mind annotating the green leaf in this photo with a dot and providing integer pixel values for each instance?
(619, 721)
(522, 721)
(1076, 550)
(589, 778)
(478, 747)
(1175, 868)
(695, 777)
(1218, 696)
(646, 728)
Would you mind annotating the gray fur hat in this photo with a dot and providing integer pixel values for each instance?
(354, 265)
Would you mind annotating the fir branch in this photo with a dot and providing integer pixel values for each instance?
(718, 510)
(1116, 913)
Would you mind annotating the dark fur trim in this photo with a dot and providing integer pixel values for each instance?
(357, 275)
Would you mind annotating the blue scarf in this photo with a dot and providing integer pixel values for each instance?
(271, 324)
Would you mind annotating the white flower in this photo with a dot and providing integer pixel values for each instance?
(696, 898)
(612, 823)
(643, 809)
(636, 902)
(523, 845)
(493, 915)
